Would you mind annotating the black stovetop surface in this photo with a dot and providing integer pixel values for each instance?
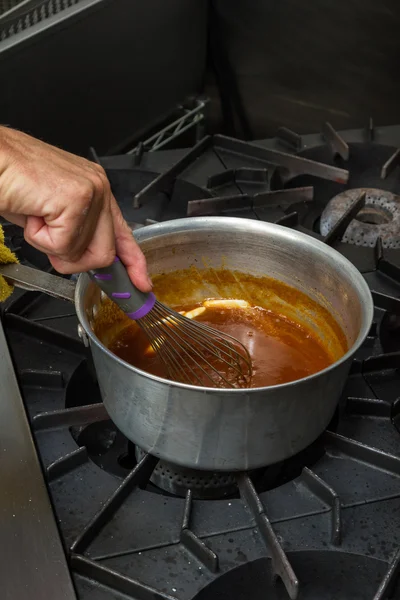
(330, 519)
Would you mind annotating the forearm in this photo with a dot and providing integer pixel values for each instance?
(10, 149)
(5, 152)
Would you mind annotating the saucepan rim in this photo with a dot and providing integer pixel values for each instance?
(164, 228)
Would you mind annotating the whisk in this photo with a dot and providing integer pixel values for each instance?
(191, 352)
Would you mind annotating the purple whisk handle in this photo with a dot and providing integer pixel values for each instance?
(115, 282)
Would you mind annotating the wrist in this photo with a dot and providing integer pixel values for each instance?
(5, 149)
(6, 154)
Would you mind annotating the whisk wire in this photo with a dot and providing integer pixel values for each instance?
(168, 356)
(185, 347)
(224, 338)
(186, 350)
(195, 335)
(204, 342)
(196, 329)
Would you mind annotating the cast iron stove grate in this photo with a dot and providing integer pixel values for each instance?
(328, 532)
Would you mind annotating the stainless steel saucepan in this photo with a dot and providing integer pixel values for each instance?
(214, 429)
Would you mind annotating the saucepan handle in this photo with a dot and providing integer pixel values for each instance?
(113, 280)
(31, 279)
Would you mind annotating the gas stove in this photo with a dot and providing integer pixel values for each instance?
(323, 525)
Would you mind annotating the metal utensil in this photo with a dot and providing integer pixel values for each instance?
(224, 429)
(191, 352)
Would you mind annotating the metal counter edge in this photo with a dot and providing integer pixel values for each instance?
(32, 559)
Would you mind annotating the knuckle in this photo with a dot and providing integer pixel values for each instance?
(100, 171)
(83, 190)
(100, 183)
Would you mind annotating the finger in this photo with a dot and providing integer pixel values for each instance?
(63, 235)
(99, 253)
(32, 225)
(129, 252)
(43, 237)
(67, 230)
(19, 220)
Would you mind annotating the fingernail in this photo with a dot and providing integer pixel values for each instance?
(149, 281)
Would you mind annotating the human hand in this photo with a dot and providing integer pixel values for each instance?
(66, 207)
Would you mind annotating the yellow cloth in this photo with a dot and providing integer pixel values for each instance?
(6, 257)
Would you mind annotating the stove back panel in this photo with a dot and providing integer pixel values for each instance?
(101, 72)
(303, 63)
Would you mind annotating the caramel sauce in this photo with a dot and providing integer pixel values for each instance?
(280, 349)
(288, 335)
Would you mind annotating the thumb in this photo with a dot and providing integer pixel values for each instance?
(129, 252)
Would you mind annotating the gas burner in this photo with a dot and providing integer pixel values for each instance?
(365, 164)
(178, 480)
(380, 217)
(110, 450)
